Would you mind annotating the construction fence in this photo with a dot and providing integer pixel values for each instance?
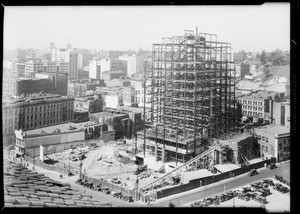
(211, 179)
(115, 188)
(60, 169)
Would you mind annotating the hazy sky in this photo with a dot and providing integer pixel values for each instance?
(252, 28)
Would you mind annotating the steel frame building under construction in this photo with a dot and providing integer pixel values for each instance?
(193, 95)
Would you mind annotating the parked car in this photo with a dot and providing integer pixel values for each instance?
(269, 182)
(128, 198)
(97, 187)
(117, 194)
(279, 178)
(272, 166)
(261, 200)
(252, 172)
(281, 188)
(106, 190)
(88, 185)
(115, 181)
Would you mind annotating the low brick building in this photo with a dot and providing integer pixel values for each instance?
(274, 141)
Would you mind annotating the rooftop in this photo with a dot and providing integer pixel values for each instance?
(234, 139)
(33, 98)
(66, 127)
(87, 124)
(260, 95)
(226, 167)
(274, 129)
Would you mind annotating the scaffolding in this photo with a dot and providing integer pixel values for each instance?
(192, 92)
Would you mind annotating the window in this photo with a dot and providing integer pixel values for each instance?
(266, 149)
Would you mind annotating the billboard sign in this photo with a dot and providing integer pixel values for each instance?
(45, 150)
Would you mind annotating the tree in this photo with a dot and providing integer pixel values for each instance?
(263, 57)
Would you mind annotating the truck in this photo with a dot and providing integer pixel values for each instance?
(140, 169)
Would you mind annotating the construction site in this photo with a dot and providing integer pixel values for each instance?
(192, 127)
(192, 95)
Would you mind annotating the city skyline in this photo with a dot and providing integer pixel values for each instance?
(255, 24)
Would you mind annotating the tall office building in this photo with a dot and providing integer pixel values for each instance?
(95, 69)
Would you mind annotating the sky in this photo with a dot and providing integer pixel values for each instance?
(251, 28)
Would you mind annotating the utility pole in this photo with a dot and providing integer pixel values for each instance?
(144, 148)
(176, 144)
(135, 149)
(33, 158)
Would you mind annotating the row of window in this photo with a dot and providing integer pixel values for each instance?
(10, 121)
(9, 130)
(40, 108)
(49, 114)
(262, 138)
(252, 102)
(252, 113)
(255, 108)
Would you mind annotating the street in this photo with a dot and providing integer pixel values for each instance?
(185, 198)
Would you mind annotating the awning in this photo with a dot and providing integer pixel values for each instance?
(244, 118)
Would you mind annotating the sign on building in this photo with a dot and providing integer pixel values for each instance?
(45, 150)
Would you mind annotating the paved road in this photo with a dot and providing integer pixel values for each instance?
(217, 188)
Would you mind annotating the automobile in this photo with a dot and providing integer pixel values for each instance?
(281, 188)
(117, 194)
(79, 181)
(97, 187)
(127, 198)
(279, 178)
(269, 182)
(252, 172)
(272, 166)
(115, 181)
(88, 185)
(246, 189)
(261, 200)
(105, 190)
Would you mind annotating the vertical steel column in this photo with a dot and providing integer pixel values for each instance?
(164, 106)
(144, 147)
